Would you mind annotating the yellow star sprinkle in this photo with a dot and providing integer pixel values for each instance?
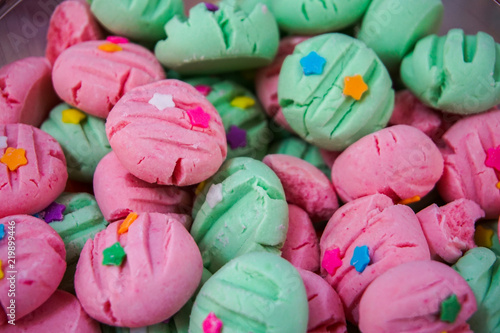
(73, 116)
(409, 200)
(200, 187)
(355, 86)
(243, 102)
(498, 185)
(14, 158)
(110, 47)
(483, 236)
(127, 223)
(1, 272)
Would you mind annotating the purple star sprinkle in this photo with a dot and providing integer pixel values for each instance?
(236, 137)
(211, 7)
(54, 212)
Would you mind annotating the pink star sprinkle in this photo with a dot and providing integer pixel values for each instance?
(331, 261)
(117, 40)
(493, 158)
(198, 117)
(212, 324)
(203, 89)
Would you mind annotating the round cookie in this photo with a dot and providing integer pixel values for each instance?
(393, 27)
(94, 75)
(141, 20)
(178, 136)
(82, 138)
(223, 40)
(334, 90)
(258, 292)
(456, 73)
(241, 209)
(32, 170)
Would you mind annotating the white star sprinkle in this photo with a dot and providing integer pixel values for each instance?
(3, 142)
(214, 195)
(161, 102)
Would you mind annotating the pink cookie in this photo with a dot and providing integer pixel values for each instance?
(160, 272)
(71, 23)
(305, 185)
(93, 79)
(266, 81)
(411, 298)
(325, 308)
(26, 93)
(61, 313)
(119, 193)
(301, 246)
(39, 264)
(400, 162)
(466, 174)
(167, 133)
(450, 229)
(329, 156)
(31, 187)
(391, 233)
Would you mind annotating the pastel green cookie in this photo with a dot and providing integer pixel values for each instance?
(84, 144)
(225, 40)
(141, 20)
(480, 267)
(456, 73)
(241, 209)
(157, 328)
(316, 17)
(314, 104)
(238, 108)
(393, 27)
(257, 292)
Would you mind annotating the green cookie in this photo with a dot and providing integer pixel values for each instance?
(157, 328)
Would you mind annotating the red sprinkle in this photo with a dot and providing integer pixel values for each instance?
(331, 261)
(117, 40)
(212, 324)
(198, 117)
(203, 89)
(493, 158)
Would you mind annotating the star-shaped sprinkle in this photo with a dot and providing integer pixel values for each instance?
(331, 261)
(2, 231)
(110, 47)
(211, 7)
(450, 308)
(355, 86)
(3, 142)
(243, 102)
(493, 158)
(117, 40)
(236, 137)
(312, 64)
(14, 158)
(214, 195)
(73, 116)
(409, 200)
(498, 185)
(161, 101)
(1, 272)
(200, 187)
(212, 324)
(203, 89)
(198, 117)
(131, 217)
(113, 255)
(54, 212)
(483, 236)
(360, 258)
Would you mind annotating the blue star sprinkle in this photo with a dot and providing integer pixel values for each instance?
(2, 231)
(313, 64)
(360, 258)
(236, 137)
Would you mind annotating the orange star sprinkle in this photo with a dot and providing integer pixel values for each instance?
(110, 47)
(1, 272)
(200, 187)
(355, 86)
(409, 200)
(127, 223)
(498, 185)
(14, 158)
(483, 236)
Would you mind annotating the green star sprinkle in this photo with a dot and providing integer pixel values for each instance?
(113, 255)
(450, 308)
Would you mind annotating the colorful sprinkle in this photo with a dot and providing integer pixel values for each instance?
(360, 258)
(200, 187)
(14, 158)
(331, 261)
(355, 86)
(198, 117)
(1, 272)
(498, 185)
(161, 101)
(236, 137)
(211, 7)
(3, 142)
(2, 231)
(212, 324)
(131, 217)
(113, 255)
(54, 212)
(450, 308)
(73, 116)
(493, 158)
(409, 200)
(203, 89)
(483, 236)
(214, 195)
(110, 47)
(242, 102)
(117, 40)
(312, 64)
